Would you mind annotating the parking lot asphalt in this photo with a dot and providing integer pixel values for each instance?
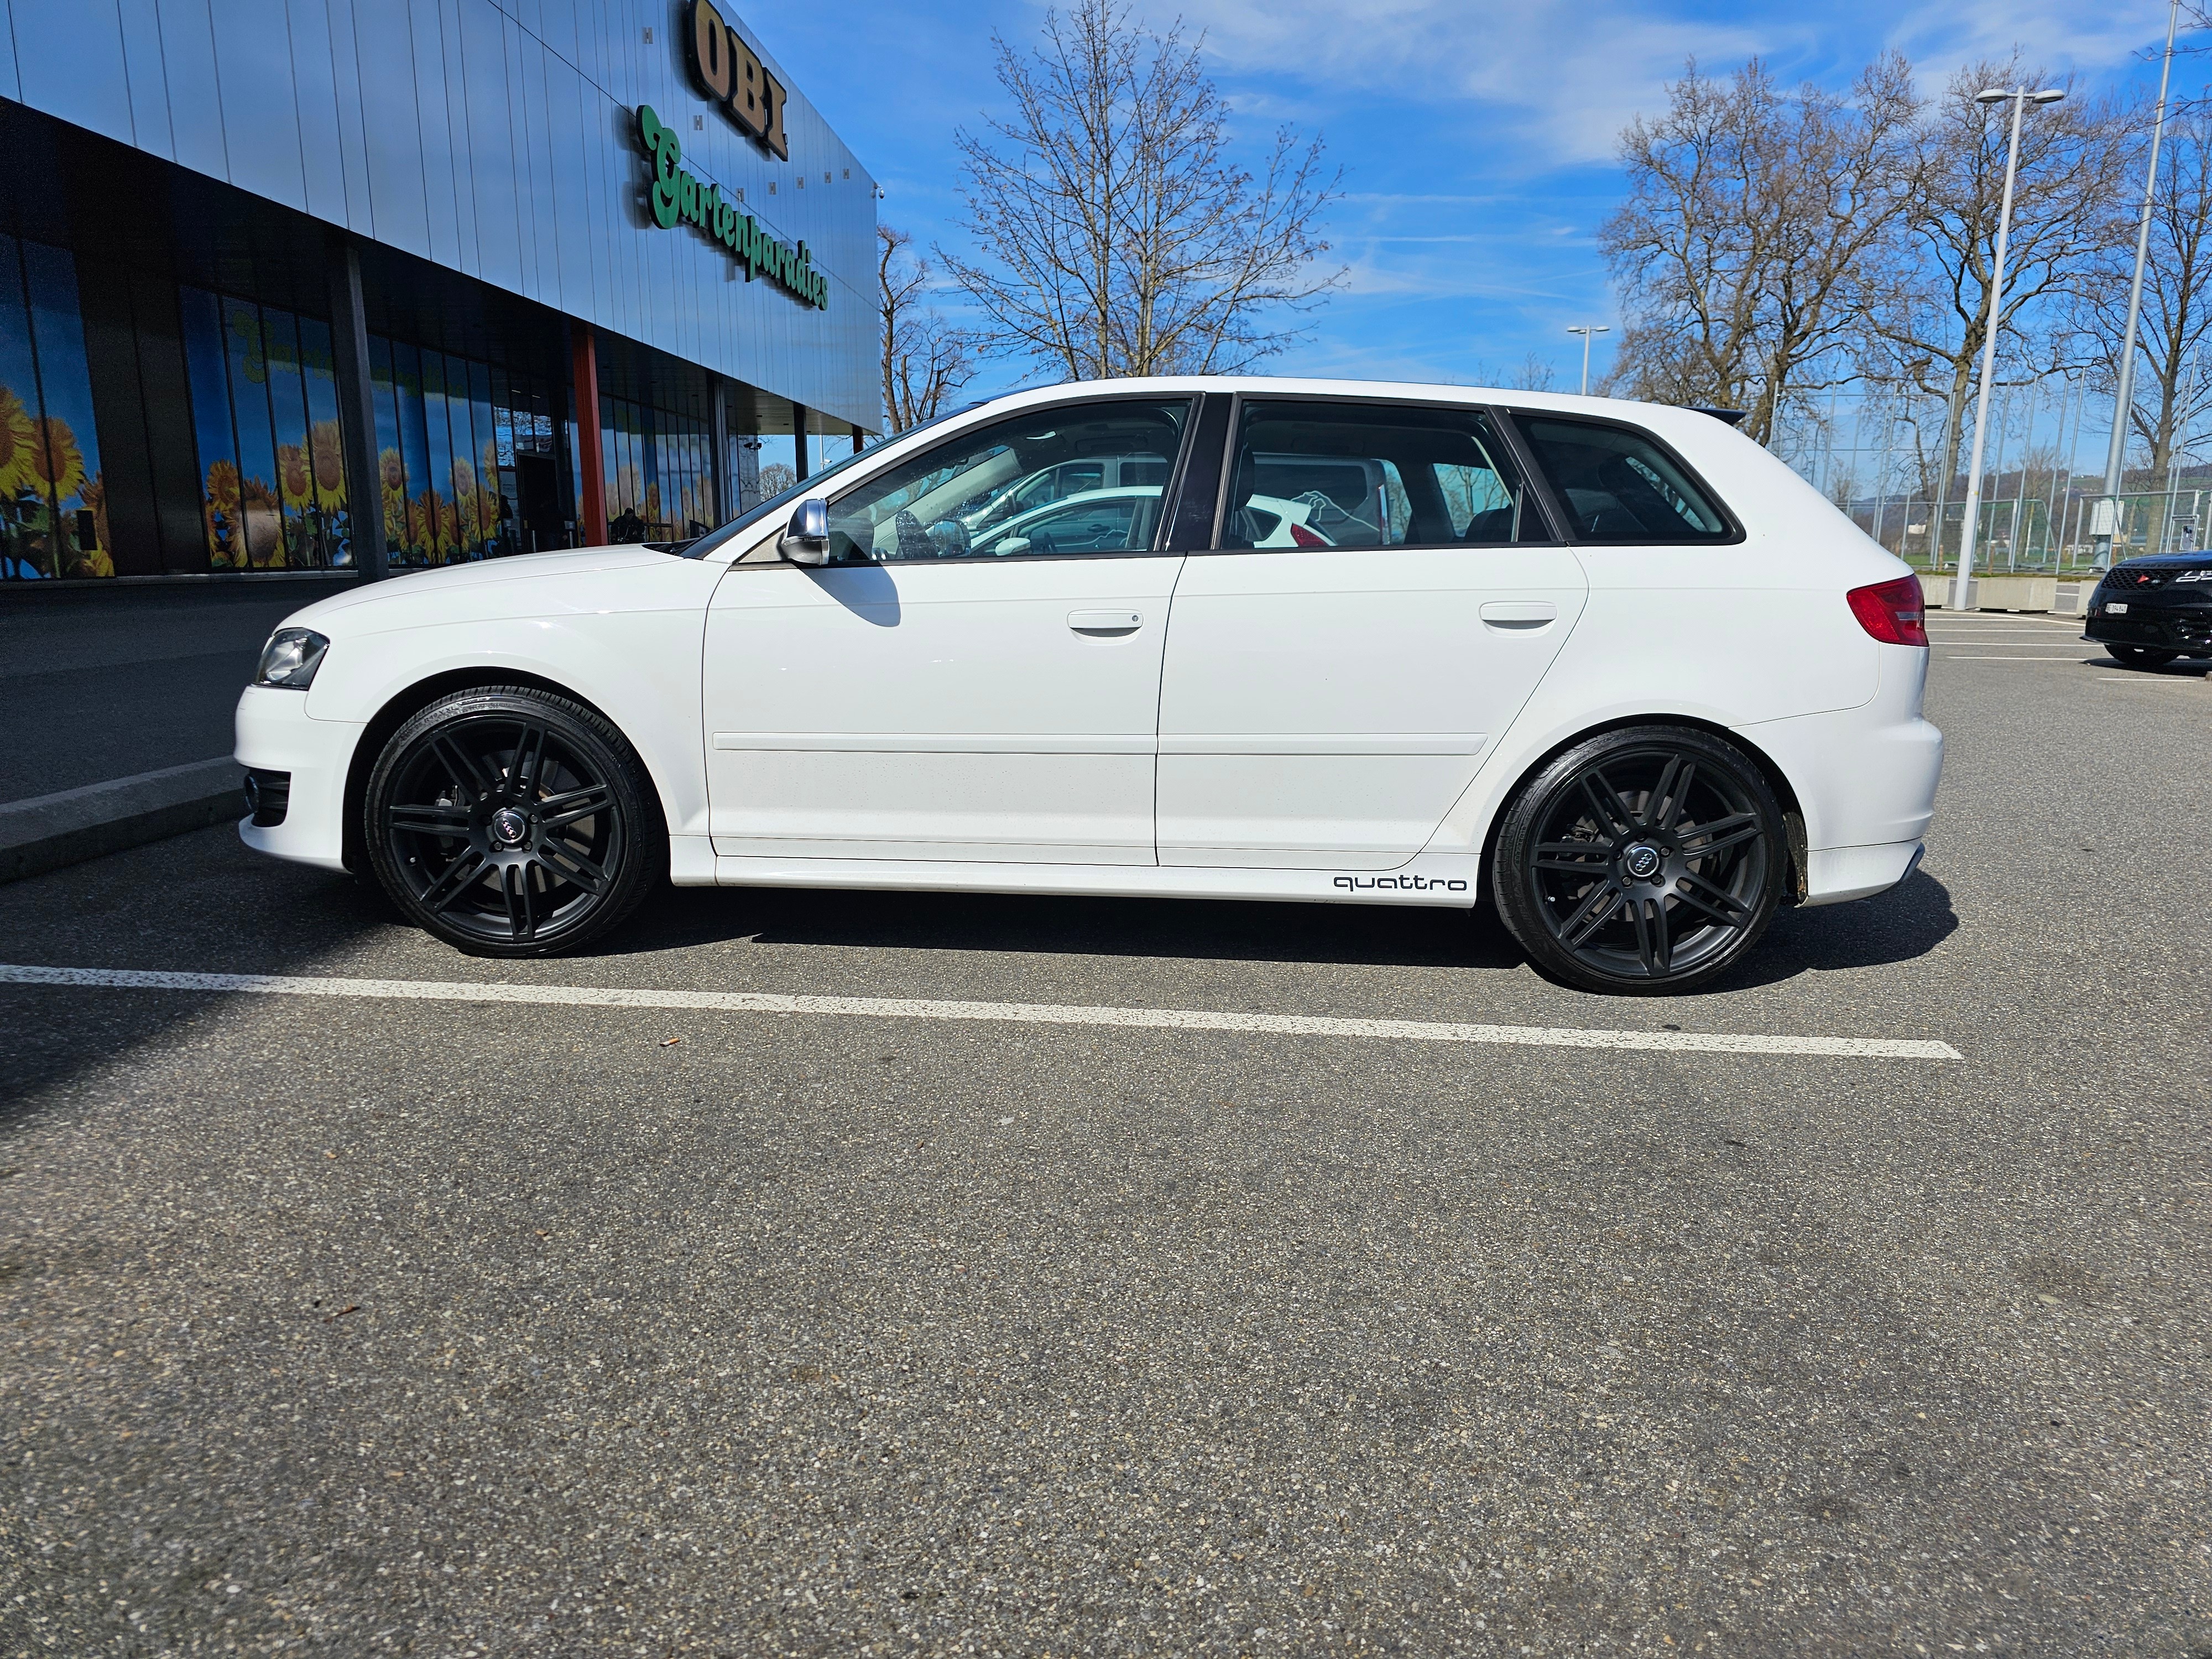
(365, 1325)
(110, 683)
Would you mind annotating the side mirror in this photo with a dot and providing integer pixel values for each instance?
(807, 539)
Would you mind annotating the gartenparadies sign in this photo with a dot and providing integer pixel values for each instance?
(730, 73)
(676, 194)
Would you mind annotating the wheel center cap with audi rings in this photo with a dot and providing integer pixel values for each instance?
(1642, 861)
(508, 827)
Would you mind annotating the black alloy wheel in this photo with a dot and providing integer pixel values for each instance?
(2139, 656)
(1645, 862)
(511, 822)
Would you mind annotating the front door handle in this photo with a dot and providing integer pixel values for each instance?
(1519, 616)
(1105, 624)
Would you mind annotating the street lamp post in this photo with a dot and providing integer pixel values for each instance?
(2105, 518)
(2020, 98)
(1586, 329)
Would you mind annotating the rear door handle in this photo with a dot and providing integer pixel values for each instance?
(1105, 624)
(1519, 614)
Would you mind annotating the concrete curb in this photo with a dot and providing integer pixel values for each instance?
(48, 831)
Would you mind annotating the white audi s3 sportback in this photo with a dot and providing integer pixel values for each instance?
(1610, 666)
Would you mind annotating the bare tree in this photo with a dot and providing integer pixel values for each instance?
(1935, 305)
(1114, 233)
(1534, 374)
(1754, 230)
(926, 360)
(2170, 396)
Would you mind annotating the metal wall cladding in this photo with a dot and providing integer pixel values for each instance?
(494, 137)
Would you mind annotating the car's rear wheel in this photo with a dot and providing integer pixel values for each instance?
(1647, 861)
(2139, 656)
(511, 822)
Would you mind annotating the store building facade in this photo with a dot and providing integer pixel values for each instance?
(359, 285)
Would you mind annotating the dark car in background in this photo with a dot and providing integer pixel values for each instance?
(2147, 613)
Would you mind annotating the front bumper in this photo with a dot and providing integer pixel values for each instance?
(2153, 622)
(276, 734)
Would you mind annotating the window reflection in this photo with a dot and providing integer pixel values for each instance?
(53, 498)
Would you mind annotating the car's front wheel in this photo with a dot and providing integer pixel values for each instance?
(511, 822)
(1646, 860)
(2139, 656)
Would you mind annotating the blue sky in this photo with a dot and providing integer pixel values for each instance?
(1476, 137)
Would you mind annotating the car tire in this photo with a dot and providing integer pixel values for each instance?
(1645, 862)
(2139, 656)
(513, 822)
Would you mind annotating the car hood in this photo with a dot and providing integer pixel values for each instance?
(425, 587)
(2165, 561)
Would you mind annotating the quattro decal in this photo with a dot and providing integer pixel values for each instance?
(1397, 884)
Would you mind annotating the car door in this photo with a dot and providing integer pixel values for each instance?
(937, 693)
(1324, 703)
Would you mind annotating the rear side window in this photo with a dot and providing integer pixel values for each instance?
(1320, 475)
(1618, 485)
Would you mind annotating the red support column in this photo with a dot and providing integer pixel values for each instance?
(592, 510)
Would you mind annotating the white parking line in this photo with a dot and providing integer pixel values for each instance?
(2057, 662)
(1027, 1013)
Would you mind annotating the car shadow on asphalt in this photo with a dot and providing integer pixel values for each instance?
(2187, 668)
(1195, 929)
(1893, 928)
(1909, 920)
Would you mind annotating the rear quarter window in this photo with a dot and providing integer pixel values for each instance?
(1617, 484)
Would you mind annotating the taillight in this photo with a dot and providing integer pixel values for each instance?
(1305, 538)
(1893, 612)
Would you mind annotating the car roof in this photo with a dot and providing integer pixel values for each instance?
(1119, 491)
(1262, 385)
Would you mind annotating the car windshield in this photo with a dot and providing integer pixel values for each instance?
(812, 484)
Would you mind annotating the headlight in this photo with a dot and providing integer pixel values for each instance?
(291, 657)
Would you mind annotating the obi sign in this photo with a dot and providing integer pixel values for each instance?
(676, 195)
(730, 73)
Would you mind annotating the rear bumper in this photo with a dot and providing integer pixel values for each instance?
(1865, 780)
(276, 734)
(1838, 874)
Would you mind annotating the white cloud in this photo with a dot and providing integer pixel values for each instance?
(1574, 74)
(2058, 34)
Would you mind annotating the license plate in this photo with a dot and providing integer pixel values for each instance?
(2116, 609)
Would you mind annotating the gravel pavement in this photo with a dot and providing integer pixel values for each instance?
(364, 1327)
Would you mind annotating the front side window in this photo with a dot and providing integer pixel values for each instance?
(1619, 486)
(1373, 474)
(1030, 486)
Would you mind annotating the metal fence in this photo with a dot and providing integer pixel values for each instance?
(2047, 533)
(1873, 451)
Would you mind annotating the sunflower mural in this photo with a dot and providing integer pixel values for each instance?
(226, 548)
(491, 497)
(293, 482)
(17, 435)
(392, 485)
(451, 550)
(53, 502)
(261, 518)
(95, 561)
(328, 457)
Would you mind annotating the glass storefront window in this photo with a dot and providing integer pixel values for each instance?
(265, 415)
(53, 503)
(658, 472)
(450, 433)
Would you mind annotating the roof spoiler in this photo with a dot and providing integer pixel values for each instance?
(1725, 416)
